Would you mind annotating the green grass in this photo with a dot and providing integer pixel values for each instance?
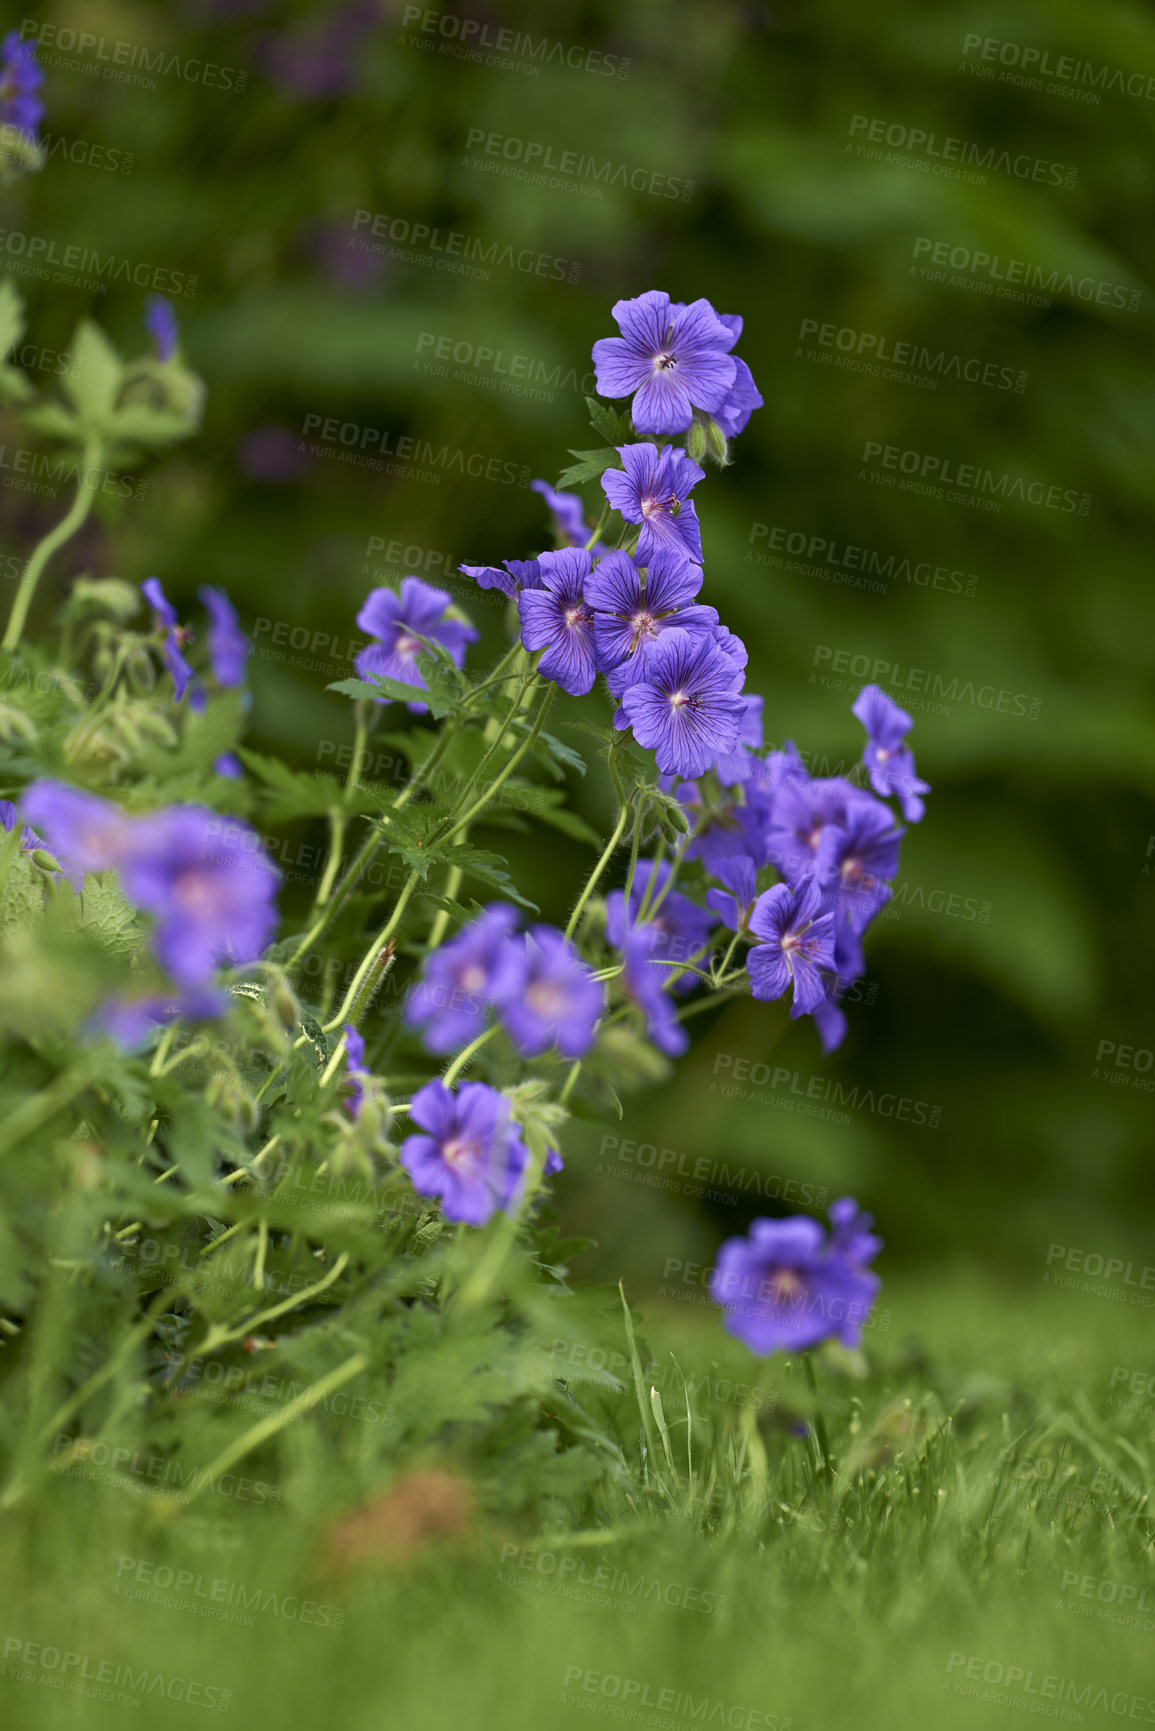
(980, 1456)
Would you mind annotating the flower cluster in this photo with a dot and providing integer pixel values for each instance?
(20, 80)
(786, 1285)
(541, 991)
(207, 883)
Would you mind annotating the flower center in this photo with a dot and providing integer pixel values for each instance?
(194, 892)
(679, 699)
(785, 1286)
(658, 506)
(575, 616)
(407, 645)
(472, 978)
(644, 625)
(458, 1152)
(665, 363)
(546, 999)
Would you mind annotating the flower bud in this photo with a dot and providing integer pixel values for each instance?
(696, 440)
(719, 446)
(16, 728)
(44, 860)
(286, 1005)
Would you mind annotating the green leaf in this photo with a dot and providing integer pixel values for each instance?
(55, 422)
(590, 466)
(141, 424)
(102, 911)
(441, 697)
(610, 423)
(93, 383)
(552, 751)
(477, 862)
(11, 316)
(295, 794)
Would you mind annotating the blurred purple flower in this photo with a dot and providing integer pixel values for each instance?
(556, 1002)
(682, 926)
(470, 1154)
(399, 622)
(84, 833)
(785, 1286)
(174, 636)
(160, 322)
(228, 645)
(568, 511)
(733, 904)
(645, 982)
(131, 1021)
(463, 977)
(273, 455)
(321, 59)
(20, 78)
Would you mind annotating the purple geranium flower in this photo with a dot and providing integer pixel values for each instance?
(743, 397)
(516, 575)
(653, 489)
(558, 619)
(229, 765)
(228, 645)
(174, 635)
(853, 1238)
(646, 985)
(463, 977)
(630, 614)
(29, 840)
(556, 1001)
(740, 876)
(785, 1287)
(84, 833)
(889, 761)
(471, 1155)
(131, 1021)
(209, 885)
(672, 359)
(740, 764)
(687, 709)
(355, 1072)
(569, 524)
(797, 939)
(399, 622)
(160, 323)
(856, 859)
(799, 814)
(20, 78)
(682, 926)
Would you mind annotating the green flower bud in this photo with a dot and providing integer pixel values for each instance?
(719, 446)
(696, 440)
(44, 860)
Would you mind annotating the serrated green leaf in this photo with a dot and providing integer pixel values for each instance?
(590, 466)
(554, 751)
(55, 422)
(296, 794)
(477, 862)
(93, 383)
(610, 423)
(102, 911)
(441, 698)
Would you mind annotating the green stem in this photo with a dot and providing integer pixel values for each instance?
(464, 1056)
(55, 539)
(37, 1110)
(819, 1420)
(591, 882)
(349, 1008)
(483, 799)
(597, 534)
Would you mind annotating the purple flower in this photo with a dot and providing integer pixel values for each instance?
(682, 926)
(785, 1286)
(799, 814)
(132, 1021)
(740, 764)
(630, 615)
(399, 622)
(20, 79)
(852, 1237)
(556, 1002)
(29, 840)
(856, 859)
(889, 762)
(516, 575)
(209, 885)
(174, 635)
(743, 397)
(463, 977)
(686, 709)
(230, 766)
(273, 455)
(829, 1017)
(558, 619)
(471, 1155)
(797, 939)
(672, 359)
(740, 877)
(228, 645)
(569, 524)
(160, 322)
(355, 1072)
(83, 832)
(646, 985)
(653, 489)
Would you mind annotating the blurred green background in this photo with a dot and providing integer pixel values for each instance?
(1042, 824)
